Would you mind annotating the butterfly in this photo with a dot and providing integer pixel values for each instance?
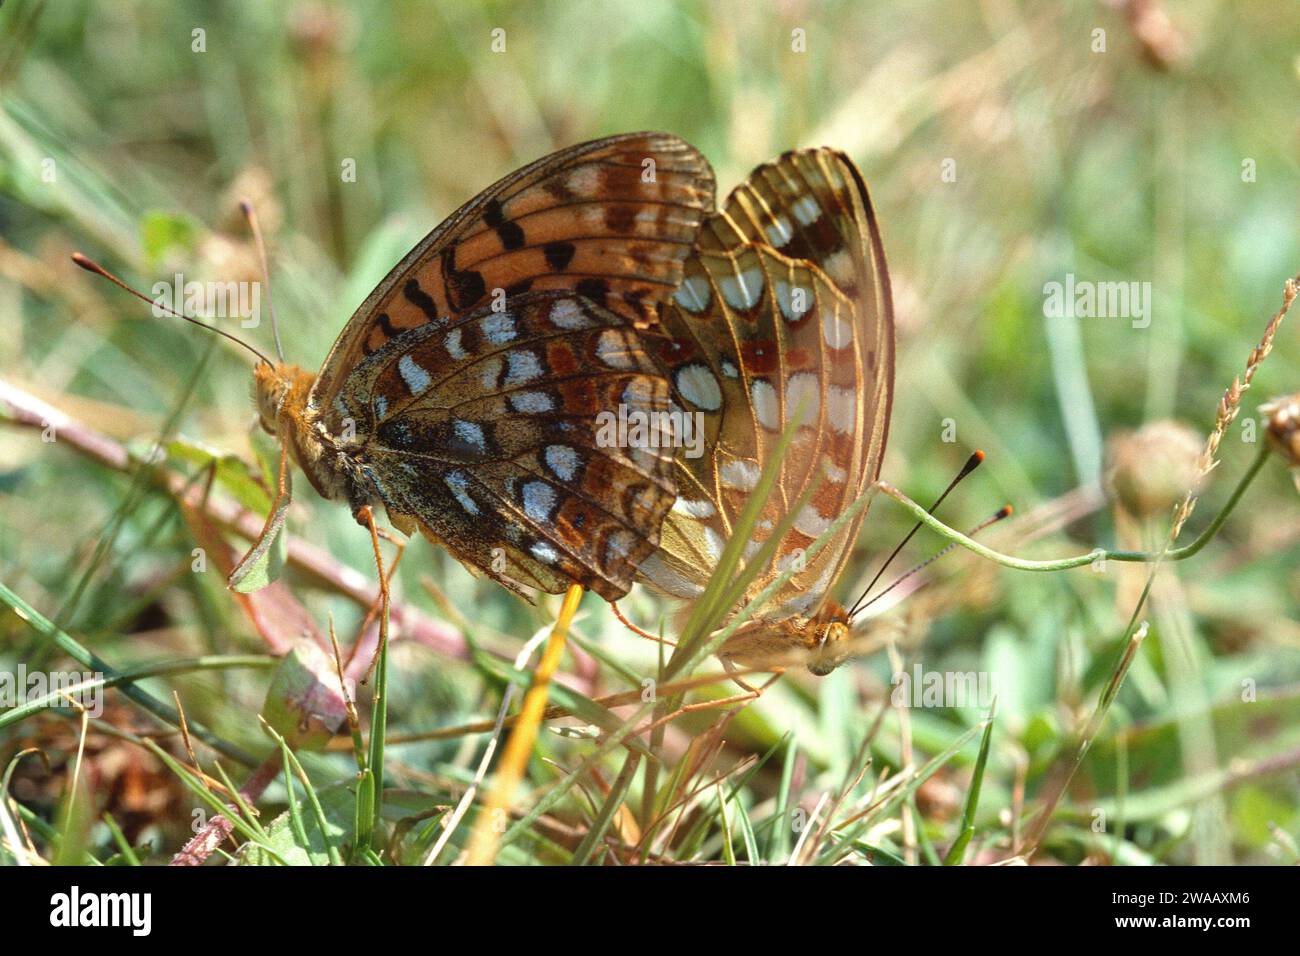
(463, 394)
(784, 311)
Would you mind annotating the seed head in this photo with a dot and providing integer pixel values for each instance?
(1152, 468)
(1282, 426)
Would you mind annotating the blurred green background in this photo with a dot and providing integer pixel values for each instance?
(1006, 145)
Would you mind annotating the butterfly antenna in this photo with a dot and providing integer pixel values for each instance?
(91, 266)
(1001, 513)
(246, 208)
(972, 463)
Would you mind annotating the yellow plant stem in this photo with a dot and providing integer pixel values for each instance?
(514, 759)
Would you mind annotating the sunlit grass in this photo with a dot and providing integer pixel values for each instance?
(117, 139)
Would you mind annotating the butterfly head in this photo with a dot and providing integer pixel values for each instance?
(283, 394)
(281, 391)
(831, 636)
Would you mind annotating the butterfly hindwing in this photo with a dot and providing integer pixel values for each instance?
(784, 311)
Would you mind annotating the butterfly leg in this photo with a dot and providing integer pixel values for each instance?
(399, 543)
(613, 605)
(751, 693)
(733, 672)
(366, 516)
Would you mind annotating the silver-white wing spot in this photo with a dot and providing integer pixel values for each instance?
(531, 403)
(740, 474)
(471, 433)
(417, 379)
(779, 232)
(742, 290)
(713, 543)
(452, 344)
(809, 522)
(803, 397)
(498, 328)
(793, 301)
(806, 210)
(567, 314)
(613, 350)
(698, 386)
(563, 461)
(693, 294)
(841, 409)
(539, 500)
(766, 408)
(837, 333)
(544, 552)
(522, 366)
(695, 509)
(458, 482)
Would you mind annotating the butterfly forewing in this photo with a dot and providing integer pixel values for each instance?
(484, 432)
(611, 220)
(783, 315)
(466, 392)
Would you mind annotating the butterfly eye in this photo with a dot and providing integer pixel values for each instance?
(836, 631)
(268, 393)
(829, 653)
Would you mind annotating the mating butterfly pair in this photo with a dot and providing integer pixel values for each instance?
(466, 392)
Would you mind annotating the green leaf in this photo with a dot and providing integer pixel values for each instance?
(231, 472)
(877, 855)
(284, 837)
(305, 703)
(265, 559)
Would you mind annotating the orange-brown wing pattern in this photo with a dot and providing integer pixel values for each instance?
(784, 312)
(486, 432)
(611, 220)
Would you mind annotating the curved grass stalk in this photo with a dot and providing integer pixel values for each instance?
(182, 665)
(71, 647)
(1097, 554)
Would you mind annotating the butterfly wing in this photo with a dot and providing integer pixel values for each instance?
(611, 219)
(784, 314)
(486, 432)
(473, 375)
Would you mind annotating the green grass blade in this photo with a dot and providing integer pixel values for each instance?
(958, 849)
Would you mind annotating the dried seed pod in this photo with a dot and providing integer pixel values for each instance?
(1282, 425)
(1151, 469)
